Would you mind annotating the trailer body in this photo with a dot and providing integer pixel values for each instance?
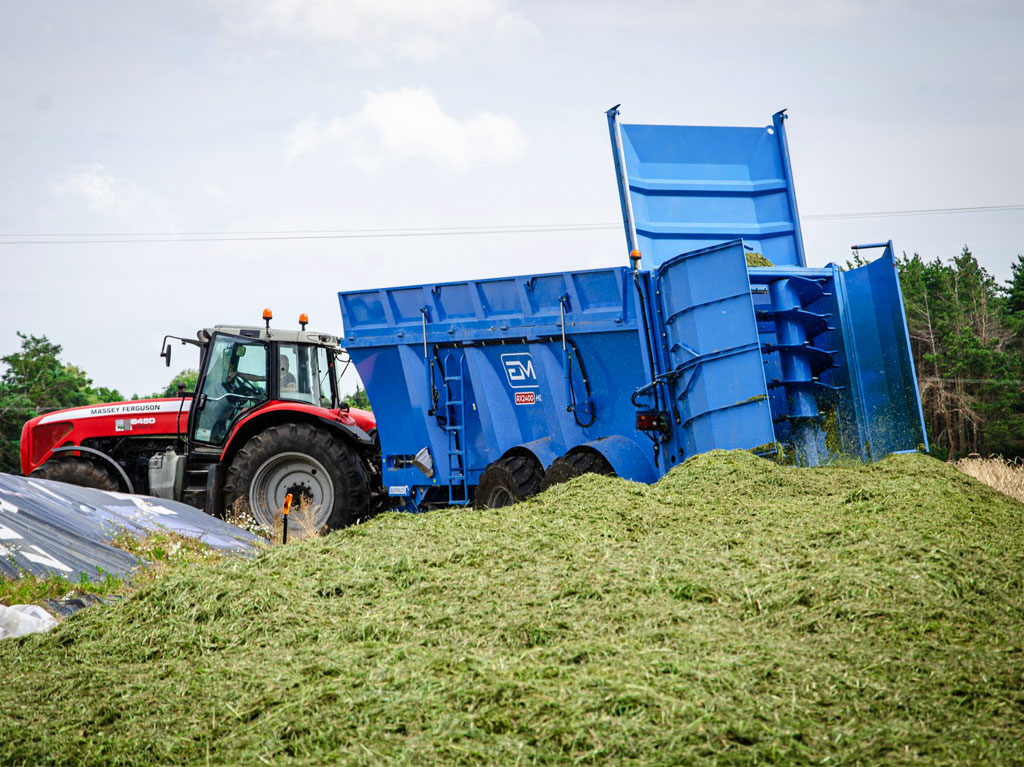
(646, 366)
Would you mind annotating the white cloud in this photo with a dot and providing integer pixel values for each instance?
(98, 187)
(415, 29)
(409, 124)
(107, 194)
(217, 193)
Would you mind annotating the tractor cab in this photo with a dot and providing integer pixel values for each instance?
(272, 384)
(244, 368)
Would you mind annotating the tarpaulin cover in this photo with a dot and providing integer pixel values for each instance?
(52, 528)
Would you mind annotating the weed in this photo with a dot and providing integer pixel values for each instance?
(239, 515)
(301, 521)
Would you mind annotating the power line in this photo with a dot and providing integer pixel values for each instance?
(389, 230)
(109, 238)
(357, 234)
(921, 212)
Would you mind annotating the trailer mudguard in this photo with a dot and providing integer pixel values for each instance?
(629, 460)
(539, 448)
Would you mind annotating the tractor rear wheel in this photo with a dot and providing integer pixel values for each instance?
(576, 465)
(78, 471)
(323, 475)
(508, 480)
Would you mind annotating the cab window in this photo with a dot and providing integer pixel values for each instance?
(325, 372)
(299, 374)
(235, 382)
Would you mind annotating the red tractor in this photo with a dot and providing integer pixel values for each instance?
(266, 419)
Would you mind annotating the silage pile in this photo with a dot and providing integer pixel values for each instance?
(737, 613)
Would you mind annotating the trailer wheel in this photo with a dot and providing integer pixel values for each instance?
(311, 464)
(576, 465)
(78, 471)
(508, 480)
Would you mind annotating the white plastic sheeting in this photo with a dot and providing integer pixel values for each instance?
(19, 620)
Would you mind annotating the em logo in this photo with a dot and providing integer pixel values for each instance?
(519, 370)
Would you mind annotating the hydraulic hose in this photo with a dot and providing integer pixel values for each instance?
(647, 335)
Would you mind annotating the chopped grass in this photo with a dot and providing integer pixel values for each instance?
(739, 612)
(757, 259)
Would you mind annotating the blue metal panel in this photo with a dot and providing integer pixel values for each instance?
(516, 392)
(683, 188)
(720, 399)
(882, 366)
(511, 307)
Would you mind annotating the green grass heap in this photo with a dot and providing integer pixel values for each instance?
(738, 612)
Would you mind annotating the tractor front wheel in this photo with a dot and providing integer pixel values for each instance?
(324, 476)
(78, 471)
(508, 480)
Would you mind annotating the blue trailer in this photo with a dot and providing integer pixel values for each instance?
(488, 390)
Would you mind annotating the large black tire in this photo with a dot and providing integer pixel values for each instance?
(78, 471)
(576, 465)
(303, 460)
(508, 481)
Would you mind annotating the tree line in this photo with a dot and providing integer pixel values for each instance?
(36, 380)
(966, 336)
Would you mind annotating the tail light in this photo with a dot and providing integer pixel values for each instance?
(652, 420)
(47, 437)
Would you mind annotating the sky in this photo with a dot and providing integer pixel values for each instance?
(163, 120)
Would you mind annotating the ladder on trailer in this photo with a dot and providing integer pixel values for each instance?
(454, 369)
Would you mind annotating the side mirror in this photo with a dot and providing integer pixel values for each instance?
(166, 354)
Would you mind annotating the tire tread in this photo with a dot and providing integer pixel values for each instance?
(576, 465)
(351, 492)
(520, 475)
(78, 471)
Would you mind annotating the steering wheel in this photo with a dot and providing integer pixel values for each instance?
(242, 387)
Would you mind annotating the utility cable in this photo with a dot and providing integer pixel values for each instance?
(355, 234)
(110, 238)
(920, 212)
